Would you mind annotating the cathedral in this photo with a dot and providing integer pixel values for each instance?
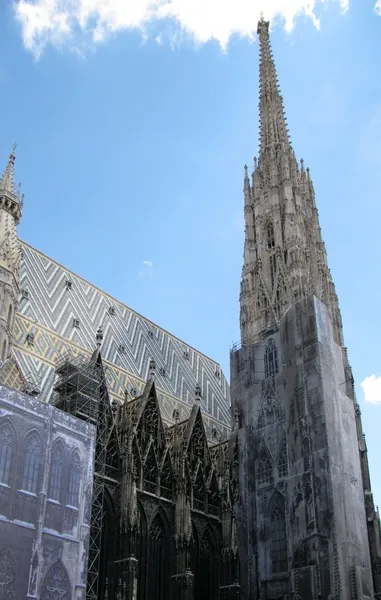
(131, 470)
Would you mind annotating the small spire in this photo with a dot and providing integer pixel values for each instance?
(7, 181)
(272, 126)
(246, 181)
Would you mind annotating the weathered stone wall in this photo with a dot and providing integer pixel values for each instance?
(320, 489)
(46, 475)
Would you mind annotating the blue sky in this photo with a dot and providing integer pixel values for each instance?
(132, 133)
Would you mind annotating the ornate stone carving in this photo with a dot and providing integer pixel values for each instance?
(7, 575)
(56, 585)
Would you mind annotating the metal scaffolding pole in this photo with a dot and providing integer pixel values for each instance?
(81, 391)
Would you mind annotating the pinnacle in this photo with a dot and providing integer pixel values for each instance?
(7, 180)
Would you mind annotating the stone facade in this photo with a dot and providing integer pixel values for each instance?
(270, 500)
(46, 477)
(162, 526)
(10, 215)
(307, 528)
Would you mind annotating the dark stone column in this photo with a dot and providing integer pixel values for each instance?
(127, 588)
(183, 579)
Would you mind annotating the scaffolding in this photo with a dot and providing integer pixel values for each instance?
(81, 391)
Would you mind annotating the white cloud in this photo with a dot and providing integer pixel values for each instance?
(372, 389)
(146, 269)
(61, 22)
(377, 7)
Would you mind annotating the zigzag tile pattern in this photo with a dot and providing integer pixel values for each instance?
(130, 341)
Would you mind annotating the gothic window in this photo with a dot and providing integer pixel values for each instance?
(265, 468)
(158, 563)
(7, 575)
(213, 497)
(6, 447)
(74, 480)
(270, 236)
(10, 313)
(32, 464)
(199, 491)
(205, 584)
(56, 472)
(282, 460)
(278, 538)
(149, 422)
(4, 351)
(166, 479)
(272, 269)
(271, 359)
(197, 445)
(150, 472)
(56, 585)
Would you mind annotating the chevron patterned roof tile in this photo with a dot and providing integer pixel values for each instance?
(130, 340)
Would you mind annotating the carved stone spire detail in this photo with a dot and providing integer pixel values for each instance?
(11, 203)
(284, 254)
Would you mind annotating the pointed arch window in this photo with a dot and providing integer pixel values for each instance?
(33, 452)
(6, 450)
(199, 491)
(158, 563)
(74, 480)
(278, 537)
(166, 479)
(270, 236)
(10, 314)
(265, 468)
(4, 351)
(282, 460)
(7, 575)
(213, 496)
(197, 450)
(149, 423)
(205, 569)
(56, 585)
(271, 359)
(55, 485)
(150, 472)
(273, 269)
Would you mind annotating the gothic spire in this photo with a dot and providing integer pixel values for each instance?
(7, 181)
(273, 126)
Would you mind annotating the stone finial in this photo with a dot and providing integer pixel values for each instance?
(7, 180)
(99, 337)
(197, 393)
(152, 368)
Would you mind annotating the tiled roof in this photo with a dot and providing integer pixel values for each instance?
(48, 307)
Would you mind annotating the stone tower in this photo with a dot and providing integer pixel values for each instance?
(303, 524)
(10, 214)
